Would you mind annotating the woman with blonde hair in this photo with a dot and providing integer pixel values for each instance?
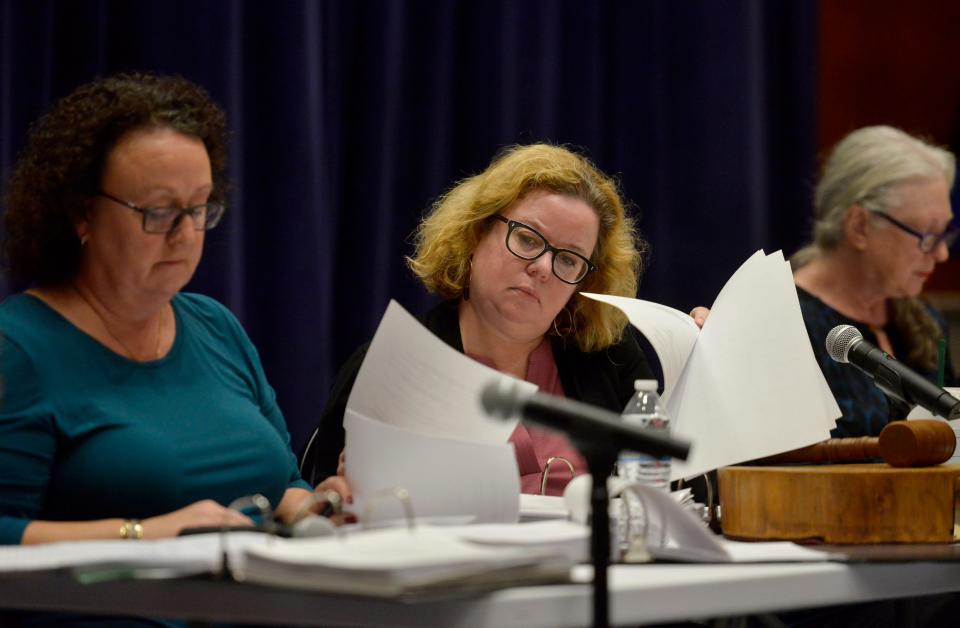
(508, 250)
(882, 222)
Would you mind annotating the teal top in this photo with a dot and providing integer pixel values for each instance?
(88, 434)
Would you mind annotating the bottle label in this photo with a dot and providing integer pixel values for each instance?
(640, 467)
(654, 422)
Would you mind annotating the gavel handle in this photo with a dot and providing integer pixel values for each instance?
(917, 443)
(834, 450)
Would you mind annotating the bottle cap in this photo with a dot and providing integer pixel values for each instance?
(645, 384)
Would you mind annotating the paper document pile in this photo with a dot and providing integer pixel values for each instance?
(747, 385)
(414, 421)
(398, 561)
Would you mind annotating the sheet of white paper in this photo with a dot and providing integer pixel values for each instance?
(190, 553)
(829, 403)
(752, 387)
(774, 551)
(671, 333)
(413, 380)
(557, 536)
(542, 507)
(443, 476)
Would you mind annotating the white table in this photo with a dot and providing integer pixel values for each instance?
(640, 594)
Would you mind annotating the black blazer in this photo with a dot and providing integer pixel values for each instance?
(601, 378)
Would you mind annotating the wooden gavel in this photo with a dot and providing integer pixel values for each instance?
(917, 443)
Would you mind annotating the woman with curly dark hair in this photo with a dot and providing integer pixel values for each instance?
(129, 409)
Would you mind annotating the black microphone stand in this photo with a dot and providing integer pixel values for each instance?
(598, 435)
(600, 457)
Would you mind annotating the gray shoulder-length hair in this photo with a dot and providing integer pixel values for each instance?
(866, 168)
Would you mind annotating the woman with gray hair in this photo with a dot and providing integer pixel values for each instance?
(882, 222)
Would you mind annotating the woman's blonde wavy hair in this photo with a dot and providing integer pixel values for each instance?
(867, 168)
(452, 229)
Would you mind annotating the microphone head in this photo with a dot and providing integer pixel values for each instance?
(500, 399)
(840, 340)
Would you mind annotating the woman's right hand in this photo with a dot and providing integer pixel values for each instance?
(198, 514)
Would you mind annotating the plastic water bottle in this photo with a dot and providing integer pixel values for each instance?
(645, 410)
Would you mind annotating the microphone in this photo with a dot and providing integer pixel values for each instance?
(845, 344)
(586, 424)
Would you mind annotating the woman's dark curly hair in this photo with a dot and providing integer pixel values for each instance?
(59, 172)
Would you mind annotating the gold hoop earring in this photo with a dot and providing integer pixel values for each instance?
(568, 329)
(466, 283)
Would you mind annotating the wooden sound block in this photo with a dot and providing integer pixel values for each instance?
(841, 503)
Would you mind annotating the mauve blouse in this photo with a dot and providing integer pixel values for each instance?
(533, 445)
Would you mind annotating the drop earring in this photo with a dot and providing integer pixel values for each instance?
(466, 284)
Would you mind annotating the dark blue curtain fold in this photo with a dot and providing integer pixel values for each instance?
(350, 118)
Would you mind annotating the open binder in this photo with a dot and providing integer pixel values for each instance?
(401, 562)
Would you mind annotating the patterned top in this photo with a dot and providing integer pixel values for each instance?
(866, 409)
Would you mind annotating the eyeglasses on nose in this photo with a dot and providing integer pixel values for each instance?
(928, 241)
(527, 243)
(165, 219)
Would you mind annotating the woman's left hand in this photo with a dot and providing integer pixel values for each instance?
(699, 315)
(339, 485)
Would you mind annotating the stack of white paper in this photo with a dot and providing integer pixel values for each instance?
(747, 385)
(414, 421)
(185, 555)
(398, 561)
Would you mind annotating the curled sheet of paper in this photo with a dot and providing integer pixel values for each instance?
(413, 380)
(672, 333)
(750, 386)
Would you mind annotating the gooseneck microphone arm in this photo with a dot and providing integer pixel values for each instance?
(845, 344)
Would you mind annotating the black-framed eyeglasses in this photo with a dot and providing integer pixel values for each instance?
(928, 241)
(527, 243)
(165, 219)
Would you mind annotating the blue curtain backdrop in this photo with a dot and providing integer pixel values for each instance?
(349, 118)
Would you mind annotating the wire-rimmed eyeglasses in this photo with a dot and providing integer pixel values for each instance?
(527, 243)
(165, 219)
(928, 241)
